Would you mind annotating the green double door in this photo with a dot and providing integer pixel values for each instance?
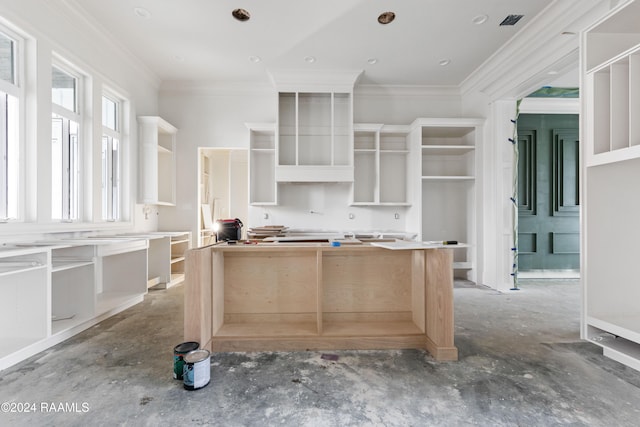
(548, 192)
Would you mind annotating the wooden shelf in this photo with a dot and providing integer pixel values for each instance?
(260, 330)
(370, 329)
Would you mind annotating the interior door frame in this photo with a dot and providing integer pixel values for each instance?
(547, 106)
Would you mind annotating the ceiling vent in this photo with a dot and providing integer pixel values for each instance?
(511, 19)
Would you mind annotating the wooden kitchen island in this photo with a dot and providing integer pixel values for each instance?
(313, 296)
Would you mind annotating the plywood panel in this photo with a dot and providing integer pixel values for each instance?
(439, 296)
(376, 281)
(270, 283)
(197, 296)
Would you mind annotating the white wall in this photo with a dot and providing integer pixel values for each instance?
(54, 29)
(215, 116)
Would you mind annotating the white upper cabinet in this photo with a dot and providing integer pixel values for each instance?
(157, 139)
(381, 167)
(611, 57)
(263, 189)
(610, 171)
(314, 140)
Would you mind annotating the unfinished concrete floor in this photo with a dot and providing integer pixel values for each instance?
(521, 364)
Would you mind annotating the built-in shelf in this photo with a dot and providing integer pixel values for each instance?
(315, 137)
(381, 173)
(263, 189)
(448, 162)
(610, 134)
(157, 161)
(180, 243)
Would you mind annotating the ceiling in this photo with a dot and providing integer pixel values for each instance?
(200, 40)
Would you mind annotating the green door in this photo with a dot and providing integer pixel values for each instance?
(548, 196)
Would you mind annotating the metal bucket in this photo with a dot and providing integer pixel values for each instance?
(197, 369)
(179, 352)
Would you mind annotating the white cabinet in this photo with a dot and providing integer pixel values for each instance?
(448, 196)
(157, 139)
(315, 137)
(73, 298)
(381, 167)
(263, 189)
(180, 243)
(610, 170)
(165, 256)
(24, 309)
(52, 290)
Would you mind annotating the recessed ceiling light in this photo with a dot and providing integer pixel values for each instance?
(178, 58)
(141, 12)
(386, 18)
(444, 62)
(255, 59)
(372, 61)
(309, 59)
(480, 19)
(552, 73)
(241, 14)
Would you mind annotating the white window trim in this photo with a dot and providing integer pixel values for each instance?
(17, 90)
(115, 134)
(76, 116)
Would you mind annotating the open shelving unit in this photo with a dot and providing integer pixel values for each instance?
(611, 163)
(448, 198)
(157, 161)
(72, 287)
(315, 137)
(52, 290)
(381, 167)
(180, 243)
(24, 282)
(263, 189)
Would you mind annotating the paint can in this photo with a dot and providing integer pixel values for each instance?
(179, 352)
(197, 369)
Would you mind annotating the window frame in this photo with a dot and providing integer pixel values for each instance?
(16, 90)
(112, 203)
(72, 190)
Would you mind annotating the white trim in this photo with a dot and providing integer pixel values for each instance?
(539, 46)
(550, 106)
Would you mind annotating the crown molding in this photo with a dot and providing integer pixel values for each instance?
(537, 49)
(407, 90)
(215, 88)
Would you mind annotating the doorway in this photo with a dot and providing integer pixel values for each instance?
(548, 196)
(224, 188)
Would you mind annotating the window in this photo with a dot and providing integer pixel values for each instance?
(10, 95)
(65, 149)
(111, 157)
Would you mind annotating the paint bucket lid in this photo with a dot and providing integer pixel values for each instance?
(186, 347)
(196, 356)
